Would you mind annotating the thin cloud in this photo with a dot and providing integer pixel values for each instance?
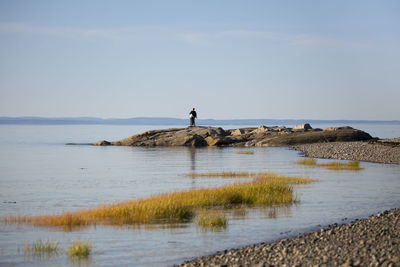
(203, 39)
(193, 38)
(25, 28)
(290, 38)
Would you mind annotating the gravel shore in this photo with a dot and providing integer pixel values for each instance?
(382, 151)
(369, 242)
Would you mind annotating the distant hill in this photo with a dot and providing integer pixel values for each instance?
(171, 121)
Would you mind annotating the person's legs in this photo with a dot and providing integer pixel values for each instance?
(192, 121)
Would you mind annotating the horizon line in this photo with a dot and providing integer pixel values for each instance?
(92, 118)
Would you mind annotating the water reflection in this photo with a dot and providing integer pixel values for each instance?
(80, 261)
(192, 154)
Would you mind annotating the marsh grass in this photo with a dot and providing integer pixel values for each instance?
(79, 249)
(267, 189)
(308, 162)
(245, 152)
(289, 180)
(40, 247)
(257, 176)
(348, 166)
(210, 219)
(242, 174)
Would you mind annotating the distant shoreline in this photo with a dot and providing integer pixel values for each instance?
(176, 121)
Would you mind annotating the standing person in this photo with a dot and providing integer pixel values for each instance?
(192, 116)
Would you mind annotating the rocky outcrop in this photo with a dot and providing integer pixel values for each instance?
(261, 136)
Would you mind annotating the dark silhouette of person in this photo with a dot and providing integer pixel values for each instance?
(192, 116)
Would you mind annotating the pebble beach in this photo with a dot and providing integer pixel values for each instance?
(382, 151)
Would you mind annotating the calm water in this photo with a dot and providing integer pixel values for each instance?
(38, 173)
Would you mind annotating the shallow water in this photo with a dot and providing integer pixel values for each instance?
(38, 173)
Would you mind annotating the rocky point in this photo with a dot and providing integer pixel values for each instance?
(261, 136)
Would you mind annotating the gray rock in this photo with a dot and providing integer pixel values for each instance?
(302, 127)
(262, 136)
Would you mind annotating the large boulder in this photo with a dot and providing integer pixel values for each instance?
(302, 127)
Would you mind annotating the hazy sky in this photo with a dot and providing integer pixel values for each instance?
(228, 59)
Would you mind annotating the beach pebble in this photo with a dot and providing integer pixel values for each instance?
(382, 152)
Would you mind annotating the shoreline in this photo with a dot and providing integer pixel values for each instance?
(374, 241)
(381, 151)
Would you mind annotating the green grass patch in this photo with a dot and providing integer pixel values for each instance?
(79, 249)
(267, 189)
(336, 165)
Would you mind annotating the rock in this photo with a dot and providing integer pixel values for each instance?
(102, 143)
(216, 136)
(338, 128)
(237, 132)
(302, 127)
(261, 129)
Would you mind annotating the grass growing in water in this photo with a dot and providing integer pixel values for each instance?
(349, 166)
(258, 176)
(245, 152)
(308, 162)
(211, 219)
(222, 174)
(79, 249)
(175, 207)
(290, 180)
(41, 247)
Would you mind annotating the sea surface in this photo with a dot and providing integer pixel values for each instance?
(40, 174)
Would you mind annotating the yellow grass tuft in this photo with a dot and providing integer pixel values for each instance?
(349, 166)
(308, 162)
(264, 176)
(211, 219)
(242, 174)
(79, 249)
(175, 207)
(285, 179)
(41, 247)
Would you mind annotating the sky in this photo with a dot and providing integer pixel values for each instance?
(229, 59)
